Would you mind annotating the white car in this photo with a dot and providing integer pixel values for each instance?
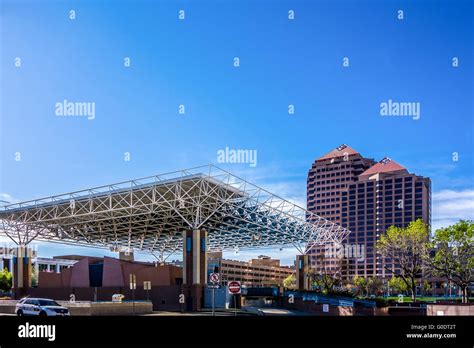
(117, 297)
(40, 307)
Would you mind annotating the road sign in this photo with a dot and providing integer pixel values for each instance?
(133, 281)
(234, 287)
(214, 278)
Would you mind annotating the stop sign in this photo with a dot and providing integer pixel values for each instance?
(234, 287)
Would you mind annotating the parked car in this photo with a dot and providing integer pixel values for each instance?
(117, 297)
(40, 307)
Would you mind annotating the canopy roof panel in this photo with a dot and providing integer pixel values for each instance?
(150, 214)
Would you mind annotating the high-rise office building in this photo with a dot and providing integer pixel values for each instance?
(366, 197)
(384, 195)
(328, 177)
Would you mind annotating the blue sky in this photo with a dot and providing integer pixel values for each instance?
(190, 62)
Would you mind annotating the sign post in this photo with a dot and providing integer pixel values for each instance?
(133, 286)
(147, 288)
(234, 289)
(213, 299)
(214, 280)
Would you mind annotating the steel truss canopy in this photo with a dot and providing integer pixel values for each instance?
(150, 214)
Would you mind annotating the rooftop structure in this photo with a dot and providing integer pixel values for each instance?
(149, 215)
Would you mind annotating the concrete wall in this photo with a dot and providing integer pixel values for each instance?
(80, 274)
(7, 306)
(431, 309)
(447, 309)
(365, 311)
(317, 308)
(77, 308)
(407, 311)
(117, 308)
(49, 280)
(164, 298)
(93, 308)
(113, 275)
(116, 274)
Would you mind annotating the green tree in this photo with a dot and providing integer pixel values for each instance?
(454, 255)
(290, 282)
(374, 285)
(34, 278)
(407, 248)
(426, 286)
(5, 280)
(398, 284)
(328, 278)
(326, 282)
(361, 284)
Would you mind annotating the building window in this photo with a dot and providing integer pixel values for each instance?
(189, 244)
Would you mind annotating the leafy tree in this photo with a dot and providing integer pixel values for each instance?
(361, 284)
(343, 291)
(407, 248)
(454, 255)
(5, 280)
(34, 278)
(398, 284)
(374, 285)
(329, 277)
(290, 282)
(326, 282)
(426, 286)
(371, 285)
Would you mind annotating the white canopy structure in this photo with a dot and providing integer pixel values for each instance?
(149, 215)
